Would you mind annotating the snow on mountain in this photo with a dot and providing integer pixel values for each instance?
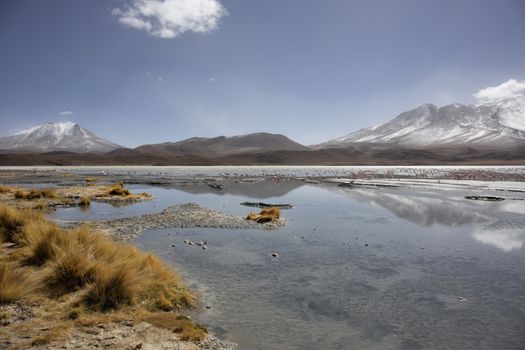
(499, 123)
(66, 136)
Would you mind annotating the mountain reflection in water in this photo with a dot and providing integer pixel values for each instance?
(491, 222)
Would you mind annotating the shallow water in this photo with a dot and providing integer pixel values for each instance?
(357, 268)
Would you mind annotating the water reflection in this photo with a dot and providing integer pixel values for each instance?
(517, 207)
(491, 223)
(418, 208)
(504, 239)
(260, 190)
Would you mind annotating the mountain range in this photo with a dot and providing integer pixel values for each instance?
(490, 133)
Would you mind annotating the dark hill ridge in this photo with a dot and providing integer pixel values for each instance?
(353, 155)
(224, 146)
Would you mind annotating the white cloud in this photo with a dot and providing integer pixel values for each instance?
(65, 113)
(160, 79)
(510, 88)
(171, 18)
(211, 80)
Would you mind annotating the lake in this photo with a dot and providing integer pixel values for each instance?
(356, 268)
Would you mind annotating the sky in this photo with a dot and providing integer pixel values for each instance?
(149, 71)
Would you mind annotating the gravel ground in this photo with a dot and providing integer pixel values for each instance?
(122, 335)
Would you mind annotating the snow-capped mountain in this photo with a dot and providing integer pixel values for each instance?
(499, 124)
(66, 136)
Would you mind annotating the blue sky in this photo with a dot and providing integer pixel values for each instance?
(310, 69)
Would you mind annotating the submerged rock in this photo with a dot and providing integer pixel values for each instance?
(266, 205)
(217, 187)
(485, 198)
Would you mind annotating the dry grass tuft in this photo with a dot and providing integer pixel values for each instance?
(84, 202)
(21, 194)
(265, 215)
(12, 220)
(118, 190)
(32, 194)
(5, 189)
(45, 193)
(110, 273)
(14, 284)
(69, 274)
(48, 246)
(112, 288)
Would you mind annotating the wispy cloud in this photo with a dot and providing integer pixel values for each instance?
(65, 113)
(160, 79)
(510, 88)
(211, 80)
(171, 18)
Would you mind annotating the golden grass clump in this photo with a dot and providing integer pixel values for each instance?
(84, 202)
(111, 273)
(48, 243)
(12, 220)
(44, 193)
(113, 287)
(35, 194)
(69, 273)
(13, 283)
(34, 230)
(118, 190)
(20, 194)
(265, 215)
(5, 189)
(91, 179)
